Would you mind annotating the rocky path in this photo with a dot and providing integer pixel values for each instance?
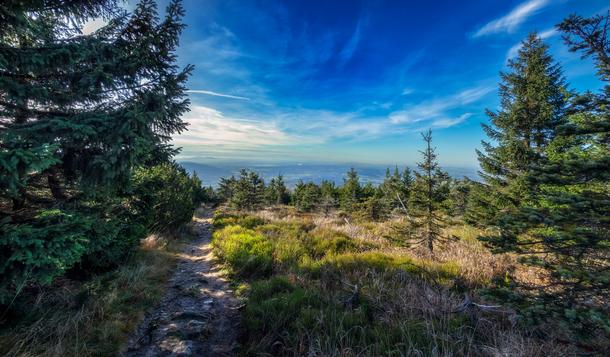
(198, 315)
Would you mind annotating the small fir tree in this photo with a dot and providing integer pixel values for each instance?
(430, 191)
(351, 192)
(249, 191)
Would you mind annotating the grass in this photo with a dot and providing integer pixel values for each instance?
(94, 317)
(339, 288)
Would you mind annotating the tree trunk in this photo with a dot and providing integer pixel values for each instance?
(19, 201)
(55, 185)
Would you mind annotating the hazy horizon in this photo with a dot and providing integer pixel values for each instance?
(210, 172)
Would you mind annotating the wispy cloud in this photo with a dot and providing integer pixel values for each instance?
(511, 21)
(512, 52)
(348, 51)
(449, 122)
(435, 112)
(216, 94)
(407, 91)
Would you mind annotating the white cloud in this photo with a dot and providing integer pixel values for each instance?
(407, 91)
(434, 111)
(216, 94)
(514, 50)
(210, 127)
(93, 25)
(511, 21)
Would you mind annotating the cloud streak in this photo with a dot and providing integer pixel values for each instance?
(511, 21)
(351, 46)
(216, 94)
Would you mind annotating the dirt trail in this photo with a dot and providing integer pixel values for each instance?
(197, 316)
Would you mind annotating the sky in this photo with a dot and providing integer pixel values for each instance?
(356, 81)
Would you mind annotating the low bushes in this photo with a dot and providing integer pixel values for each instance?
(165, 196)
(322, 242)
(353, 262)
(222, 220)
(283, 319)
(60, 240)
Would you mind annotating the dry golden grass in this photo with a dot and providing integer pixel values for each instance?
(426, 314)
(478, 265)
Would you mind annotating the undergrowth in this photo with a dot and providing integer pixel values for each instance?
(93, 317)
(315, 287)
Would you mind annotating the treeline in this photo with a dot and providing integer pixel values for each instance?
(86, 168)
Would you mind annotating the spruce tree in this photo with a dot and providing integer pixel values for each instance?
(567, 223)
(277, 193)
(329, 196)
(430, 190)
(395, 188)
(306, 196)
(93, 106)
(351, 192)
(226, 188)
(249, 191)
(78, 114)
(532, 105)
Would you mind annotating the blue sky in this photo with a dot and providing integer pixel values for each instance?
(355, 81)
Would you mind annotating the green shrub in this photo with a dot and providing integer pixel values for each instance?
(56, 241)
(111, 241)
(247, 252)
(165, 196)
(40, 250)
(322, 242)
(289, 253)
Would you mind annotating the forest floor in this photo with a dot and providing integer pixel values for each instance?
(198, 314)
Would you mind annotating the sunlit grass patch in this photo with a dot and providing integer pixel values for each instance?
(247, 252)
(381, 261)
(223, 219)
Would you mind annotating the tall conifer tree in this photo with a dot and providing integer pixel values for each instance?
(87, 108)
(78, 112)
(532, 105)
(567, 223)
(351, 192)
